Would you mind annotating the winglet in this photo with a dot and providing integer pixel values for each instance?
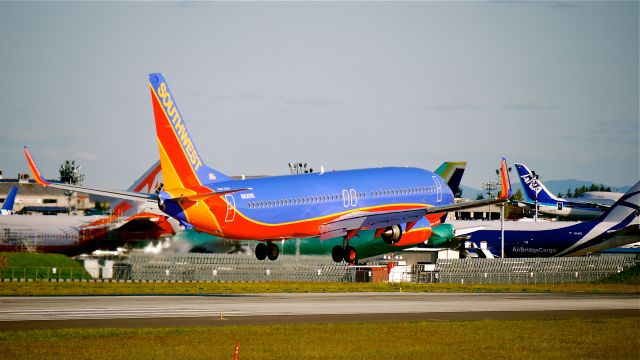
(505, 184)
(34, 169)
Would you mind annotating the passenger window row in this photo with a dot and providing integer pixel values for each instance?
(298, 201)
(319, 199)
(405, 191)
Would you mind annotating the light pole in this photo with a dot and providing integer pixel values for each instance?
(502, 229)
(490, 187)
(502, 219)
(299, 168)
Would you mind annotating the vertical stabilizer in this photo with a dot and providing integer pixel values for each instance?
(452, 173)
(7, 207)
(505, 183)
(182, 165)
(533, 188)
(627, 206)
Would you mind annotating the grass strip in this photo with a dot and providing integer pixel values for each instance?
(44, 288)
(614, 338)
(41, 266)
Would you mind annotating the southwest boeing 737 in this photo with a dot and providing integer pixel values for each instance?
(401, 205)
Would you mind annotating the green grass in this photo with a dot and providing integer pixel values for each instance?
(40, 266)
(52, 288)
(628, 276)
(615, 338)
(34, 259)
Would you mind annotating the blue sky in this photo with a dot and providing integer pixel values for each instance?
(553, 85)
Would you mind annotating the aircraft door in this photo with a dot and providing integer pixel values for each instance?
(231, 208)
(353, 196)
(438, 188)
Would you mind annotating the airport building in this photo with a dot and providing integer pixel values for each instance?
(33, 198)
(487, 212)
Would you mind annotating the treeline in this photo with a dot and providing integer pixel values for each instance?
(583, 189)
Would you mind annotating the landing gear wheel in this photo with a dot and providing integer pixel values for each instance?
(261, 251)
(273, 251)
(337, 254)
(349, 254)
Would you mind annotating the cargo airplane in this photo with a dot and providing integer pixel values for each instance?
(617, 226)
(400, 205)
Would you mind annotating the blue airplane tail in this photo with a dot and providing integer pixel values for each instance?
(533, 188)
(452, 173)
(7, 207)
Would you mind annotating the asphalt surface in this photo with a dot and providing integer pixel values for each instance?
(20, 313)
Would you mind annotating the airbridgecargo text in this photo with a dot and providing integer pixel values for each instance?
(529, 250)
(174, 117)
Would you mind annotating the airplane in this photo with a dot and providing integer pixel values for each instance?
(73, 235)
(7, 207)
(619, 225)
(581, 208)
(365, 244)
(401, 205)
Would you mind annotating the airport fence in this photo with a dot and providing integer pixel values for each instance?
(46, 273)
(527, 270)
(230, 267)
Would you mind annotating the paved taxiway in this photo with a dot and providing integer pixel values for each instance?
(139, 311)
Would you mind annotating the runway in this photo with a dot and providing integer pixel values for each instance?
(220, 310)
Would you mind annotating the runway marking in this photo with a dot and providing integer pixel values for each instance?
(368, 305)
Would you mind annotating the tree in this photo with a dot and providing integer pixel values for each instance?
(480, 196)
(517, 195)
(70, 173)
(583, 189)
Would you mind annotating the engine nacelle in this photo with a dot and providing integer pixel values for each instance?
(392, 234)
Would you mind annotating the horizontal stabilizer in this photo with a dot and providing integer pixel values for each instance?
(202, 196)
(118, 194)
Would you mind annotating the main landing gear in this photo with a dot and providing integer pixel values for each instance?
(348, 254)
(269, 250)
(391, 235)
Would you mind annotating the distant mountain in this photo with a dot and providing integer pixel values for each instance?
(469, 192)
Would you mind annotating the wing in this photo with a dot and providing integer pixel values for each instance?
(351, 223)
(118, 194)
